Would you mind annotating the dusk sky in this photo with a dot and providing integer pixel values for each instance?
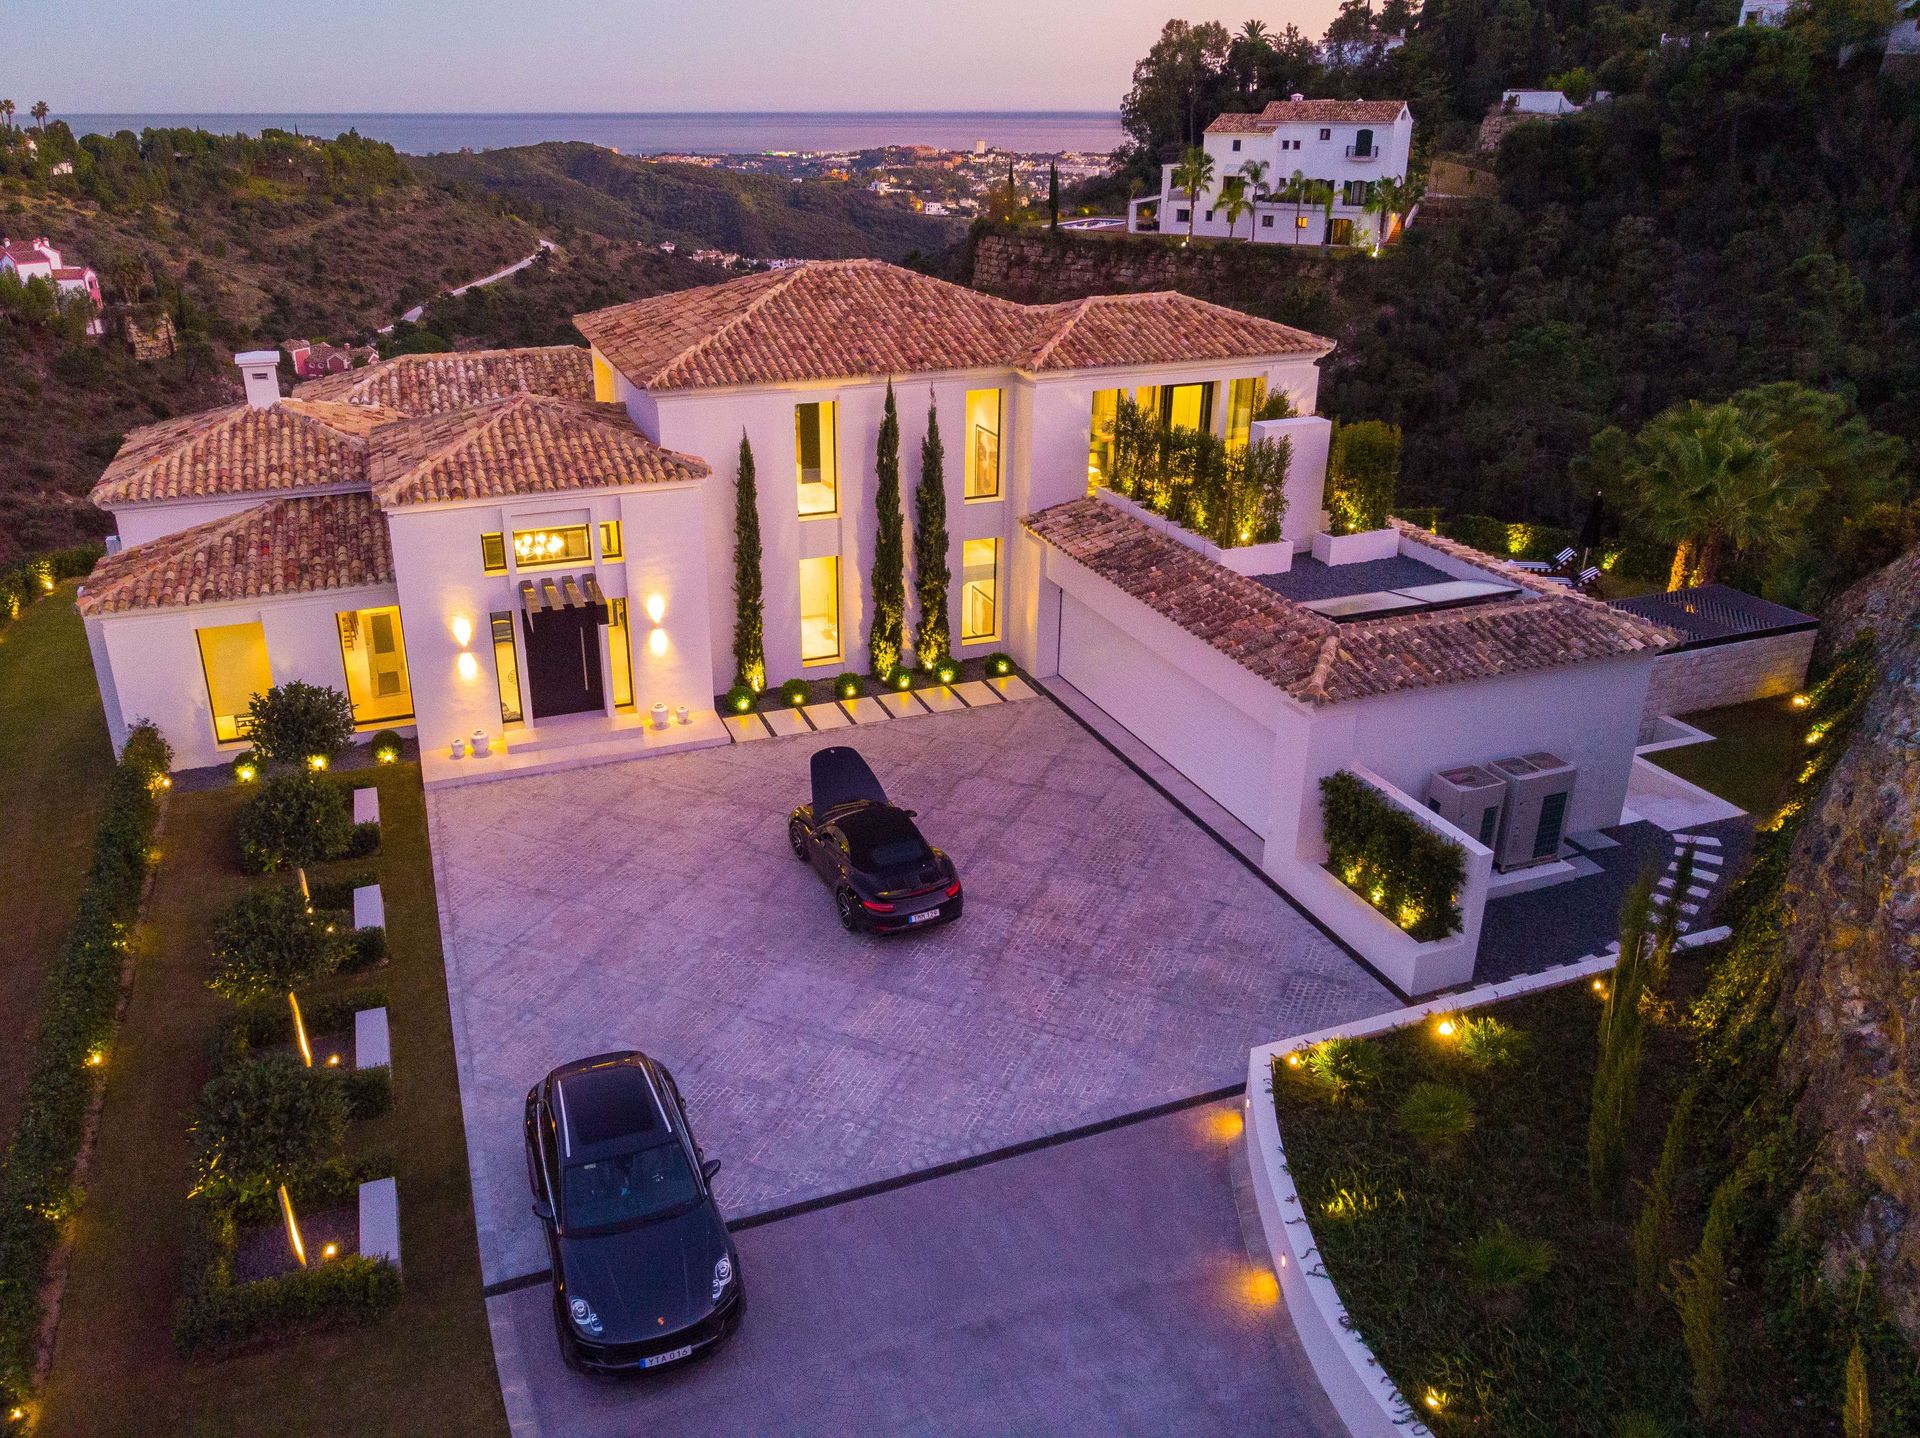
(531, 55)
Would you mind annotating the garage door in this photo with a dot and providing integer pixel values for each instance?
(1219, 748)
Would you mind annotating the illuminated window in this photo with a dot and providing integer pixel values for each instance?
(506, 668)
(1341, 233)
(815, 458)
(1187, 406)
(1106, 407)
(983, 444)
(620, 653)
(493, 553)
(1300, 222)
(979, 590)
(375, 657)
(820, 610)
(566, 544)
(234, 657)
(1243, 402)
(610, 539)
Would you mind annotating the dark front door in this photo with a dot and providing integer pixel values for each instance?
(563, 662)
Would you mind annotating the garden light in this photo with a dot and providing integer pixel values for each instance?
(1436, 1400)
(1600, 988)
(16, 1415)
(1801, 701)
(742, 704)
(246, 773)
(1293, 1061)
(903, 680)
(330, 1251)
(95, 1058)
(947, 673)
(316, 762)
(1444, 1028)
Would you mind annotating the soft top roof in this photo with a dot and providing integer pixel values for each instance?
(841, 776)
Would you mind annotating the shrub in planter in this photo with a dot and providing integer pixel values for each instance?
(297, 818)
(363, 839)
(847, 686)
(292, 722)
(1436, 1115)
(899, 678)
(258, 1122)
(794, 693)
(220, 1314)
(1404, 869)
(265, 943)
(386, 747)
(945, 670)
(999, 664)
(738, 700)
(1363, 470)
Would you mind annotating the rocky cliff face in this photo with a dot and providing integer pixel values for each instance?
(1851, 997)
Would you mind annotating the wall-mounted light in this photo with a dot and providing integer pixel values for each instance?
(656, 607)
(468, 666)
(657, 643)
(462, 630)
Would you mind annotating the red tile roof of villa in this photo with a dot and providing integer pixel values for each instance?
(841, 319)
(297, 545)
(1318, 661)
(435, 383)
(523, 444)
(286, 447)
(1307, 112)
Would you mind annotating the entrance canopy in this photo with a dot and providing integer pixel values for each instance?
(577, 597)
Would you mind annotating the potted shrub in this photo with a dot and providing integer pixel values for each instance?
(738, 700)
(296, 818)
(266, 942)
(794, 693)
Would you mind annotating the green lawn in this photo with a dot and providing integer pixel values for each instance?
(1757, 751)
(54, 766)
(428, 1366)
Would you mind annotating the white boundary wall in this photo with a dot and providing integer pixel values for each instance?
(1362, 1394)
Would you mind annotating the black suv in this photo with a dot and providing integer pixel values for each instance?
(644, 1271)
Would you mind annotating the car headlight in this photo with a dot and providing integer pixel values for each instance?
(584, 1318)
(722, 1276)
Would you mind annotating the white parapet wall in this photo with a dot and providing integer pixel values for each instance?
(1368, 544)
(1364, 1397)
(1273, 558)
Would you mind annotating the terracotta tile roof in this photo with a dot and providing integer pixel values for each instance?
(435, 383)
(840, 319)
(523, 444)
(298, 545)
(1307, 112)
(287, 447)
(1317, 661)
(1161, 327)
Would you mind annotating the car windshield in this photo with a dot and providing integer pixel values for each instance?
(883, 839)
(628, 1188)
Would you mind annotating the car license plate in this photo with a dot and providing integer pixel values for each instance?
(926, 916)
(673, 1357)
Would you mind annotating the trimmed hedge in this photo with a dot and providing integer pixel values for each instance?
(1406, 870)
(77, 1019)
(33, 579)
(1363, 470)
(297, 818)
(1232, 495)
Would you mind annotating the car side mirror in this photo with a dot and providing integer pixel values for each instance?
(543, 1210)
(709, 1169)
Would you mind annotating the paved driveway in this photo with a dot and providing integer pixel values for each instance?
(1094, 1287)
(1113, 957)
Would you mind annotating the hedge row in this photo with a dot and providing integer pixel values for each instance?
(37, 1190)
(1396, 863)
(31, 579)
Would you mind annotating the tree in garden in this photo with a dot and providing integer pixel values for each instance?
(265, 942)
(40, 113)
(1363, 471)
(886, 634)
(1616, 1078)
(1294, 192)
(1234, 203)
(1053, 196)
(297, 722)
(1700, 1295)
(930, 574)
(749, 618)
(1389, 197)
(1653, 1227)
(1253, 182)
(1321, 195)
(1193, 175)
(257, 1124)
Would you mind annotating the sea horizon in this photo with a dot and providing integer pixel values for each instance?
(641, 132)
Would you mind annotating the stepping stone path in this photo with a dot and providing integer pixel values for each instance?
(369, 908)
(372, 1043)
(1707, 860)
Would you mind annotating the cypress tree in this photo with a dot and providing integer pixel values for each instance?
(749, 619)
(930, 547)
(1616, 1079)
(887, 632)
(1053, 196)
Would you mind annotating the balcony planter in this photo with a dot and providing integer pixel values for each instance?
(1273, 558)
(1369, 544)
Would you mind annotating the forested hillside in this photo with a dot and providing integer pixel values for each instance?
(760, 216)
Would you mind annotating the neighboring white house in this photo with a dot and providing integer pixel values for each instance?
(1764, 12)
(1350, 54)
(1348, 144)
(39, 260)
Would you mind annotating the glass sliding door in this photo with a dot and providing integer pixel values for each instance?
(1106, 409)
(374, 656)
(1244, 398)
(820, 610)
(979, 591)
(506, 669)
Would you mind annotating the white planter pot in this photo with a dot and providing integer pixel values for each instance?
(481, 744)
(659, 712)
(683, 715)
(1369, 544)
(458, 749)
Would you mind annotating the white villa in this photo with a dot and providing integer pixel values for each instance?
(1350, 144)
(537, 545)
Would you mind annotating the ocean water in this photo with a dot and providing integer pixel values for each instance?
(643, 134)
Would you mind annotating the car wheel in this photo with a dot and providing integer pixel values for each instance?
(797, 839)
(849, 908)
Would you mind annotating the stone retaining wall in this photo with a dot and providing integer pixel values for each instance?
(1695, 679)
(1038, 267)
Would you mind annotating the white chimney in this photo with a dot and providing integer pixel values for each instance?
(1298, 98)
(260, 369)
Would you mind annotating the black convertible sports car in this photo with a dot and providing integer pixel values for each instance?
(884, 876)
(644, 1272)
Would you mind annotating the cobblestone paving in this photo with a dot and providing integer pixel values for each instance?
(1112, 957)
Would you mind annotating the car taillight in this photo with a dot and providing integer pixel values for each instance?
(953, 889)
(876, 908)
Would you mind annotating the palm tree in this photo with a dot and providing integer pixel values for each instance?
(1320, 194)
(1194, 175)
(1391, 197)
(1253, 179)
(1702, 480)
(1254, 32)
(6, 113)
(1234, 202)
(1295, 191)
(40, 113)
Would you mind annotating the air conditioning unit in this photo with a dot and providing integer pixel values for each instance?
(1469, 798)
(1539, 791)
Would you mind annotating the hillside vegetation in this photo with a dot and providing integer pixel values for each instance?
(760, 216)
